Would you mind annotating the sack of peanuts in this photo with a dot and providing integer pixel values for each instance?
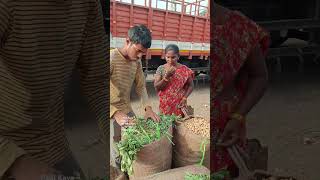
(191, 138)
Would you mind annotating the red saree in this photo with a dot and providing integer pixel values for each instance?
(171, 96)
(232, 43)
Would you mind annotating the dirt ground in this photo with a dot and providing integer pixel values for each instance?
(287, 119)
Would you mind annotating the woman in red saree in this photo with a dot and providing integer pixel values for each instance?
(239, 80)
(173, 82)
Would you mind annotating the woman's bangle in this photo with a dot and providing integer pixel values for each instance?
(165, 79)
(184, 98)
(238, 117)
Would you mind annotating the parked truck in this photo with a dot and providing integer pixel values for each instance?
(183, 22)
(294, 27)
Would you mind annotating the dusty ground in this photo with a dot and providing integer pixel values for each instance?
(287, 115)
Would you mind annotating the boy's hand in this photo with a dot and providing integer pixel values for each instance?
(123, 119)
(151, 114)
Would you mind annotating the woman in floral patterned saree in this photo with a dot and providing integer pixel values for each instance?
(173, 82)
(239, 80)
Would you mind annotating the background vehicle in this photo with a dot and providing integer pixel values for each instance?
(185, 23)
(294, 27)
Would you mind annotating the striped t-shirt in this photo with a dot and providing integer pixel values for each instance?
(124, 74)
(41, 42)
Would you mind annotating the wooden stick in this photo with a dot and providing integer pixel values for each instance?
(243, 169)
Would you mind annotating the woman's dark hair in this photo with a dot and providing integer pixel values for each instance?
(172, 47)
(140, 34)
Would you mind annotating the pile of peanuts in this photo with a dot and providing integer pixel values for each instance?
(199, 126)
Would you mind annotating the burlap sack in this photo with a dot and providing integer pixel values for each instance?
(186, 150)
(178, 173)
(153, 158)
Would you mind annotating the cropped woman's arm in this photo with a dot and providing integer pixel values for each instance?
(258, 81)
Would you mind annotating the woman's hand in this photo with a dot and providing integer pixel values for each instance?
(231, 133)
(170, 72)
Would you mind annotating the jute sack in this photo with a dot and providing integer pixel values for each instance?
(153, 158)
(188, 145)
(177, 173)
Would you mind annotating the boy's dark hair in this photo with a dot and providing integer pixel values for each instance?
(140, 34)
(172, 47)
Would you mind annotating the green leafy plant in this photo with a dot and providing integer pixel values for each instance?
(142, 133)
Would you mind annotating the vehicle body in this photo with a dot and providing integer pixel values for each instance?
(184, 23)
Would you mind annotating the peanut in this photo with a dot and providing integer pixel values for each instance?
(199, 126)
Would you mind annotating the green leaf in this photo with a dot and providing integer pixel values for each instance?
(142, 133)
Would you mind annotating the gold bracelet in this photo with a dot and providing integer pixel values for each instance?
(184, 98)
(238, 117)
